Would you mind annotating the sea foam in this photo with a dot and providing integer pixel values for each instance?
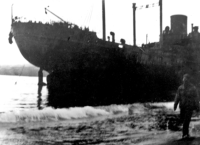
(50, 114)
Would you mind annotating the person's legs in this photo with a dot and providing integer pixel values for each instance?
(182, 115)
(186, 122)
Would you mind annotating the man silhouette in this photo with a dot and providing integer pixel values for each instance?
(188, 99)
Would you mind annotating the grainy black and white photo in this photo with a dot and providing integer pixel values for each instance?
(100, 72)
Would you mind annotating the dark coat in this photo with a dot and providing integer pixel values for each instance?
(187, 98)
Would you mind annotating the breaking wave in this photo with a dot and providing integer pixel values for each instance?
(50, 114)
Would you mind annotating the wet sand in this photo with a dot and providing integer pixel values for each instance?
(142, 125)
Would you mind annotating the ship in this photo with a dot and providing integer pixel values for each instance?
(86, 70)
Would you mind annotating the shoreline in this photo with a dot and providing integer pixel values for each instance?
(142, 125)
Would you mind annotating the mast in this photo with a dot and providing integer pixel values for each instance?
(161, 15)
(134, 30)
(104, 20)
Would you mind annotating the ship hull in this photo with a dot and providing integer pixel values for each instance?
(57, 53)
(93, 73)
(49, 54)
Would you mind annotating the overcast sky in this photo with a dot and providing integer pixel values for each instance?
(88, 13)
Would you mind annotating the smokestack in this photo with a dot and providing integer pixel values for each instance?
(179, 25)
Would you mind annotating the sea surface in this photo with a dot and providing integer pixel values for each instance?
(20, 102)
(21, 93)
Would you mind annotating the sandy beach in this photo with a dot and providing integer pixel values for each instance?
(141, 125)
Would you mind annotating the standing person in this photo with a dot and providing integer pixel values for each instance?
(188, 99)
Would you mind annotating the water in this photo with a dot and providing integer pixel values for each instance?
(20, 102)
(20, 93)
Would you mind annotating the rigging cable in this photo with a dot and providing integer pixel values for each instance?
(85, 19)
(90, 15)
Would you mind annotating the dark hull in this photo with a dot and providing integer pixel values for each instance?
(121, 84)
(58, 53)
(100, 73)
